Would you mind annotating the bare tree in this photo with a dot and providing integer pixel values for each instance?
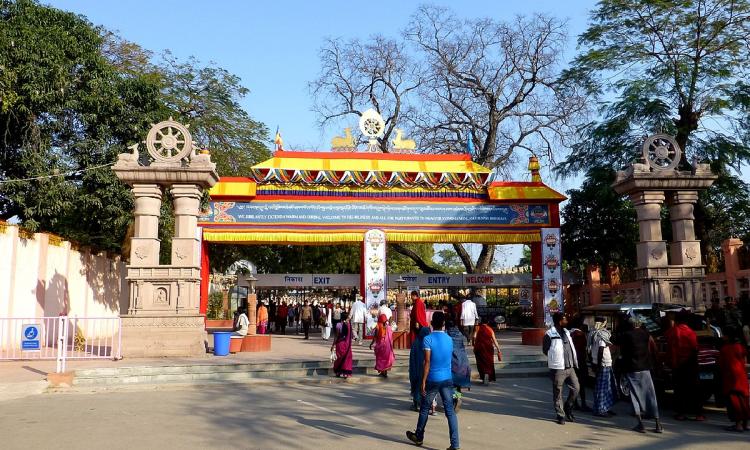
(493, 81)
(356, 76)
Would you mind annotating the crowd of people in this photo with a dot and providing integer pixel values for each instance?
(623, 362)
(572, 348)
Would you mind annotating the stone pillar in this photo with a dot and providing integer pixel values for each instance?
(185, 243)
(652, 249)
(144, 250)
(402, 318)
(685, 249)
(730, 249)
(252, 313)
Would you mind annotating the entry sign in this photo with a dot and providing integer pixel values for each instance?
(30, 339)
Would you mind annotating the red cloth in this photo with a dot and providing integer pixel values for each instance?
(281, 312)
(732, 359)
(484, 350)
(418, 315)
(682, 345)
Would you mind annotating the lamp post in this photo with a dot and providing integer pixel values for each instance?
(401, 319)
(252, 303)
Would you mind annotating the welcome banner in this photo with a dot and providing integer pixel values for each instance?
(552, 262)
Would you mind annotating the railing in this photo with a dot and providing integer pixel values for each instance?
(61, 338)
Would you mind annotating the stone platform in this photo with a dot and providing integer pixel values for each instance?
(146, 336)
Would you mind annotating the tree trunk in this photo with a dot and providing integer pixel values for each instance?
(421, 263)
(686, 123)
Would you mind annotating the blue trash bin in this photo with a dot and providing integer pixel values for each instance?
(221, 343)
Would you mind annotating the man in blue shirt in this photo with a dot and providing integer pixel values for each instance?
(437, 379)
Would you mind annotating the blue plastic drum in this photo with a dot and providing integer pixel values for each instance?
(221, 343)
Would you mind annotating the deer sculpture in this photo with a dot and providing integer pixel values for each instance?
(345, 141)
(399, 143)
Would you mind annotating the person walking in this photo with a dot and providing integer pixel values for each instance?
(358, 312)
(579, 333)
(306, 316)
(385, 310)
(486, 348)
(562, 362)
(336, 318)
(417, 316)
(281, 317)
(416, 365)
(383, 342)
(460, 367)
(605, 388)
(732, 358)
(682, 355)
(469, 317)
(327, 321)
(437, 379)
(342, 346)
(637, 356)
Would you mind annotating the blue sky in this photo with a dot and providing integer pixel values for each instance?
(273, 45)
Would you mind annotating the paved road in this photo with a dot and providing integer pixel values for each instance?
(514, 414)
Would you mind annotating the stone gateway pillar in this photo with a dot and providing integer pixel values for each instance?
(163, 316)
(669, 273)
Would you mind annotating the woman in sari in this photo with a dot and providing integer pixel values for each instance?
(383, 342)
(416, 365)
(261, 318)
(342, 366)
(485, 344)
(732, 358)
(460, 367)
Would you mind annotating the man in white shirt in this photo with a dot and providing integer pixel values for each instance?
(242, 323)
(469, 318)
(384, 309)
(358, 312)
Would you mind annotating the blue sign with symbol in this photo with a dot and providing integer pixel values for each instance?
(30, 341)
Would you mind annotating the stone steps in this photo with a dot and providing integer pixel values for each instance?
(239, 372)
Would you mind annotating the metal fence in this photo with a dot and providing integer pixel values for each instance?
(61, 338)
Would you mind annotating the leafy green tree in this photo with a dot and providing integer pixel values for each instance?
(64, 109)
(673, 66)
(599, 226)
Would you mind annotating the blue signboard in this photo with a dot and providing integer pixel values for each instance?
(377, 213)
(30, 339)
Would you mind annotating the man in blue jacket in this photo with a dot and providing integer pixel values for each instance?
(437, 379)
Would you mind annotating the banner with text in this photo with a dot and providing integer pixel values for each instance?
(374, 261)
(552, 267)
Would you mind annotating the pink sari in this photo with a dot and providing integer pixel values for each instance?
(342, 366)
(384, 357)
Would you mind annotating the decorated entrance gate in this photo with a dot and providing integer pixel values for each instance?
(326, 198)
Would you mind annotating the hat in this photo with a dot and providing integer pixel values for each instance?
(600, 319)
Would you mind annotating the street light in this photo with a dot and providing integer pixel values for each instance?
(400, 283)
(251, 280)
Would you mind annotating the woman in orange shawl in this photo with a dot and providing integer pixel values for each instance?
(484, 350)
(383, 341)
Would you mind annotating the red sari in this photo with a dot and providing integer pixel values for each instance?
(484, 351)
(732, 359)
